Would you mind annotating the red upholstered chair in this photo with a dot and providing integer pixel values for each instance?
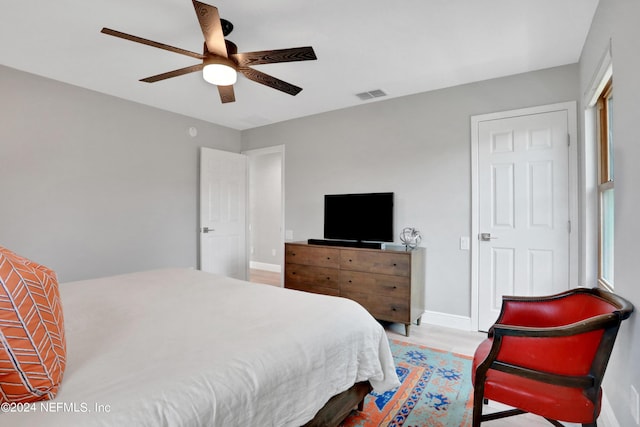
(547, 356)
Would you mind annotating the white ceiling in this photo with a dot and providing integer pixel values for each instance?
(402, 47)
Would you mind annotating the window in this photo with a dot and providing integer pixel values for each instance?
(606, 194)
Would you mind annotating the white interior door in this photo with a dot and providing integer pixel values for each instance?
(523, 209)
(223, 199)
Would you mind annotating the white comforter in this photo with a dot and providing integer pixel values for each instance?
(185, 348)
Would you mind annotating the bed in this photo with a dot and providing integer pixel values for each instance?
(180, 347)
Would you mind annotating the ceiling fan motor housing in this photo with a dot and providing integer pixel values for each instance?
(227, 27)
(212, 58)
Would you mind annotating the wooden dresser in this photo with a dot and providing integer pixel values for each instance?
(389, 283)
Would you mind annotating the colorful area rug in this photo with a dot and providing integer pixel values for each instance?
(435, 391)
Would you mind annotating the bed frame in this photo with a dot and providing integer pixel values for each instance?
(340, 406)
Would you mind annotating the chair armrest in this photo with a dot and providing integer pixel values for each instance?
(581, 381)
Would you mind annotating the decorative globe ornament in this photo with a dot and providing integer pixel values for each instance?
(410, 237)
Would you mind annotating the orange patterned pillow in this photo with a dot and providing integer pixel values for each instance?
(32, 344)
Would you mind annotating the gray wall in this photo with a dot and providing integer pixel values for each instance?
(616, 23)
(93, 185)
(416, 146)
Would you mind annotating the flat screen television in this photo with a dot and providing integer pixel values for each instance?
(366, 217)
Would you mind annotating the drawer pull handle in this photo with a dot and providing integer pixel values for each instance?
(349, 260)
(395, 287)
(395, 265)
(393, 309)
(350, 281)
(328, 278)
(328, 257)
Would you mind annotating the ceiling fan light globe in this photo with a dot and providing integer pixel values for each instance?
(219, 74)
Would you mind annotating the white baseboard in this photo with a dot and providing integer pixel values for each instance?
(275, 268)
(607, 417)
(447, 320)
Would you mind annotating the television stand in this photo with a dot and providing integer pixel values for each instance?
(346, 243)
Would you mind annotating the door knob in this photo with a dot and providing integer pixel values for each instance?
(485, 237)
(207, 229)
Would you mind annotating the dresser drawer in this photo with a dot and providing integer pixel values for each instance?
(376, 284)
(315, 289)
(312, 279)
(388, 308)
(376, 262)
(313, 255)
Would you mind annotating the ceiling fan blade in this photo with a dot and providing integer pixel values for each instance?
(151, 43)
(211, 28)
(174, 73)
(272, 56)
(137, 39)
(226, 94)
(267, 80)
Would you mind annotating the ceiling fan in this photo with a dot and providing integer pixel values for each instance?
(221, 61)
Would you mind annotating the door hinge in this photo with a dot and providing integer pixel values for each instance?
(569, 226)
(568, 140)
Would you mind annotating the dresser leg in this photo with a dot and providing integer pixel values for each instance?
(419, 321)
(407, 328)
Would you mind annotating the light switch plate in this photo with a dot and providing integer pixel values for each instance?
(464, 243)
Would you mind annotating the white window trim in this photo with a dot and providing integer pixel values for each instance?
(589, 223)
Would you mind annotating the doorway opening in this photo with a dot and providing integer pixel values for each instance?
(266, 215)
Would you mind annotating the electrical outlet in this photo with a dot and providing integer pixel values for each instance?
(634, 403)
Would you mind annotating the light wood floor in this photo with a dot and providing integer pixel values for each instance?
(264, 277)
(442, 338)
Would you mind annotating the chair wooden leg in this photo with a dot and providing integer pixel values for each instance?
(478, 401)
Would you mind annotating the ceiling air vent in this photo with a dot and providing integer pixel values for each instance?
(376, 93)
